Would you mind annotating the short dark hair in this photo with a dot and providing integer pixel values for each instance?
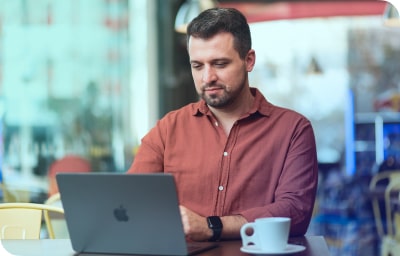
(215, 20)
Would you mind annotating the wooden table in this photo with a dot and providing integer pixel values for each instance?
(315, 246)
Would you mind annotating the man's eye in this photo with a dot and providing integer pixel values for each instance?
(196, 66)
(220, 64)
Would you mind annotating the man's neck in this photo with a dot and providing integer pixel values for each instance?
(229, 115)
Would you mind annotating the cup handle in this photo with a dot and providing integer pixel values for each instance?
(246, 239)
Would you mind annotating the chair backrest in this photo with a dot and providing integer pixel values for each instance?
(393, 186)
(397, 222)
(54, 200)
(24, 220)
(393, 178)
(58, 223)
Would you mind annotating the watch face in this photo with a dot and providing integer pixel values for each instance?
(214, 222)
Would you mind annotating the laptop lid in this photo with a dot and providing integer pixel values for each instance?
(119, 213)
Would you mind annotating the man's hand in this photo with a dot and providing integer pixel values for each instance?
(195, 226)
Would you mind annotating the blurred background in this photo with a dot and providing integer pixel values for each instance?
(81, 81)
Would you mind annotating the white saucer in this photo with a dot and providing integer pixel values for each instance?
(290, 248)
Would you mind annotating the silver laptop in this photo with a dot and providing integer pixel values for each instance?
(119, 213)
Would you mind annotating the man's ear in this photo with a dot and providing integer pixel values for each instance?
(250, 60)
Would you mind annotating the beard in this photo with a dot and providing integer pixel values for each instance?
(215, 100)
(222, 98)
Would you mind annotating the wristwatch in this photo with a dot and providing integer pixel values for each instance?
(215, 224)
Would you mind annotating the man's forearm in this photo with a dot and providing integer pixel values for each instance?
(231, 226)
(196, 226)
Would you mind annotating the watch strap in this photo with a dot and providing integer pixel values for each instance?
(215, 224)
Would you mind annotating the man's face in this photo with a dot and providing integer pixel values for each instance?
(219, 74)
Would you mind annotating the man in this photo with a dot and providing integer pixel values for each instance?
(235, 157)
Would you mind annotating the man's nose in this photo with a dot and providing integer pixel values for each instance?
(209, 75)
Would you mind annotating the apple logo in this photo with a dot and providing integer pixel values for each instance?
(120, 213)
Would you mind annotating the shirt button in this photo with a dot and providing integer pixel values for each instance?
(225, 153)
(220, 188)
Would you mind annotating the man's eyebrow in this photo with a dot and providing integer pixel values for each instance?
(194, 61)
(221, 59)
(212, 61)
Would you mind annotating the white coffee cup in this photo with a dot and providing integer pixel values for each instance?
(267, 234)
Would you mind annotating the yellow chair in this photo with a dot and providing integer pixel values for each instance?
(391, 242)
(57, 220)
(54, 199)
(24, 220)
(391, 238)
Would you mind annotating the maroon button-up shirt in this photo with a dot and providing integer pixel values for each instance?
(267, 166)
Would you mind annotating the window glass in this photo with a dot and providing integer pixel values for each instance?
(327, 69)
(64, 80)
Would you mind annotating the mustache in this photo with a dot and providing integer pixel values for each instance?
(212, 86)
